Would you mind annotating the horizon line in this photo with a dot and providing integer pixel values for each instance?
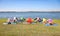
(28, 10)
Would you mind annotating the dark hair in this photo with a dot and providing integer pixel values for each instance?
(51, 24)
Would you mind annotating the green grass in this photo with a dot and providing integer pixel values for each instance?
(29, 30)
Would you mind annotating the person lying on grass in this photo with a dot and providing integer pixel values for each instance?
(22, 19)
(37, 19)
(9, 21)
(29, 20)
(50, 21)
(44, 21)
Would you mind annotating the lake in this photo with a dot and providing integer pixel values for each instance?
(53, 15)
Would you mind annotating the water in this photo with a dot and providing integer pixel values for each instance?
(52, 15)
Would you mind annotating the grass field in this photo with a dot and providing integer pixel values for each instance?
(29, 30)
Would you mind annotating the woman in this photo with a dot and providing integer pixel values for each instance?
(22, 19)
(37, 19)
(44, 21)
(15, 19)
(29, 20)
(9, 21)
(50, 21)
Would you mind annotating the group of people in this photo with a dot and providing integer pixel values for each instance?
(29, 20)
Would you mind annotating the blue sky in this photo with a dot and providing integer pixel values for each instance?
(29, 5)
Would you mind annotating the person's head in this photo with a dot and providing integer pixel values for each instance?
(36, 18)
(44, 19)
(14, 17)
(8, 18)
(21, 18)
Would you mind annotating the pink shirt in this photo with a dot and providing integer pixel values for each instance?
(50, 20)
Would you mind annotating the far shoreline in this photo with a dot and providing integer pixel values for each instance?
(30, 11)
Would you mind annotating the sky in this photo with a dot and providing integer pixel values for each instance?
(29, 5)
